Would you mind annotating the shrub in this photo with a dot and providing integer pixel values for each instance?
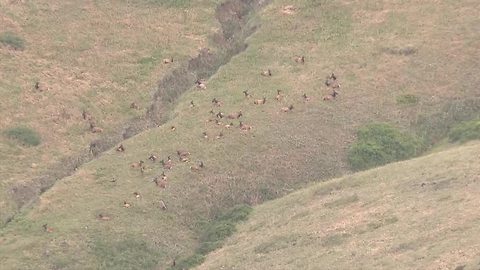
(24, 135)
(379, 144)
(407, 99)
(12, 40)
(465, 131)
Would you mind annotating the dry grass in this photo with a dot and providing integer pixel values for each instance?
(282, 152)
(417, 214)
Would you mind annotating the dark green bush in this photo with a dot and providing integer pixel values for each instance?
(465, 131)
(379, 144)
(12, 40)
(24, 135)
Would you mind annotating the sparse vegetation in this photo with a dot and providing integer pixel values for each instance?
(12, 40)
(379, 144)
(407, 99)
(465, 131)
(24, 135)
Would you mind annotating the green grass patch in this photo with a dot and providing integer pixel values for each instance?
(128, 253)
(214, 234)
(379, 144)
(342, 201)
(24, 135)
(407, 99)
(12, 40)
(465, 131)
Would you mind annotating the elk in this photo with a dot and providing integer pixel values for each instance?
(86, 115)
(192, 104)
(244, 127)
(260, 101)
(197, 167)
(137, 164)
(216, 102)
(266, 73)
(220, 135)
(136, 194)
(218, 122)
(126, 204)
(163, 205)
(173, 128)
(168, 60)
(205, 135)
(134, 105)
(201, 84)
(37, 86)
(330, 79)
(247, 95)
(229, 125)
(46, 228)
(299, 59)
(152, 157)
(331, 96)
(103, 217)
(305, 97)
(286, 109)
(220, 115)
(167, 165)
(94, 128)
(235, 115)
(183, 155)
(279, 95)
(120, 148)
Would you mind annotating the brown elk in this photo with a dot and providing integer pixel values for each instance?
(137, 164)
(201, 84)
(136, 194)
(168, 60)
(103, 217)
(235, 115)
(220, 135)
(46, 228)
(218, 122)
(192, 104)
(220, 115)
(197, 167)
(286, 109)
(205, 135)
(305, 97)
(279, 95)
(120, 148)
(126, 204)
(331, 96)
(134, 105)
(152, 157)
(163, 206)
(266, 73)
(229, 125)
(247, 95)
(183, 155)
(173, 128)
(331, 80)
(86, 115)
(167, 165)
(217, 102)
(260, 101)
(299, 59)
(94, 128)
(244, 127)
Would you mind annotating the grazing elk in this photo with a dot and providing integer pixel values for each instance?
(183, 155)
(46, 228)
(197, 167)
(152, 157)
(120, 148)
(134, 105)
(229, 125)
(220, 115)
(94, 128)
(126, 204)
(167, 165)
(266, 73)
(286, 109)
(244, 127)
(247, 95)
(205, 135)
(136, 194)
(260, 101)
(168, 60)
(235, 115)
(192, 104)
(305, 97)
(299, 59)
(103, 217)
(173, 128)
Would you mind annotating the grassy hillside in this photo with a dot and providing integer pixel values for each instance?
(97, 56)
(363, 42)
(417, 214)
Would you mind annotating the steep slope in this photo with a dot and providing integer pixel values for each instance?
(282, 152)
(416, 214)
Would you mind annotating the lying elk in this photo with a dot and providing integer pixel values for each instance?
(173, 128)
(134, 105)
(279, 95)
(183, 155)
(137, 164)
(120, 148)
(86, 115)
(305, 97)
(126, 204)
(94, 128)
(192, 104)
(201, 85)
(197, 167)
(168, 60)
(330, 79)
(331, 96)
(229, 125)
(244, 127)
(167, 165)
(247, 95)
(266, 73)
(235, 115)
(260, 101)
(216, 102)
(286, 109)
(153, 158)
(299, 59)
